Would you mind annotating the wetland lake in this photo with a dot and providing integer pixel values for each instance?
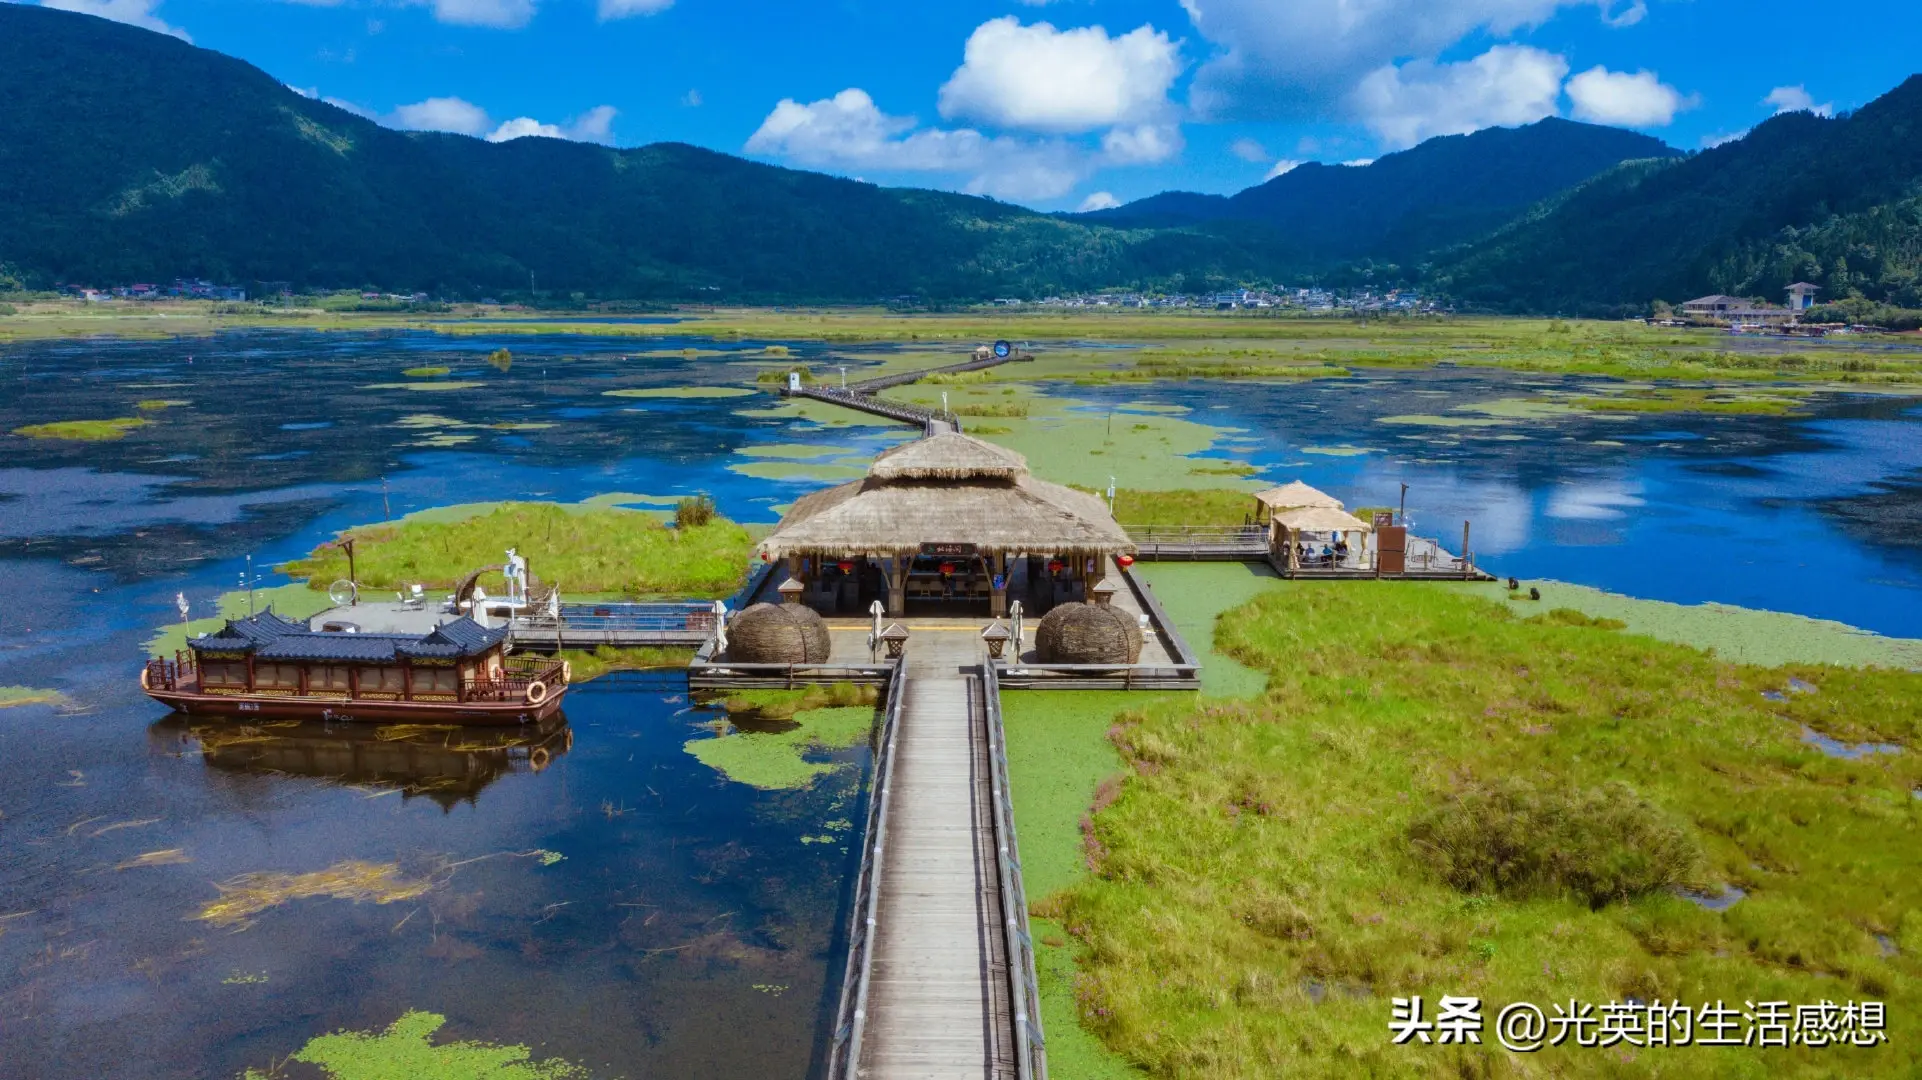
(176, 901)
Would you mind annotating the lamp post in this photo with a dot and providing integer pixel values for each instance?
(844, 378)
(1402, 518)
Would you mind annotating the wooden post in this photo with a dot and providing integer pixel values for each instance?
(897, 585)
(406, 679)
(250, 672)
(353, 682)
(998, 595)
(1465, 563)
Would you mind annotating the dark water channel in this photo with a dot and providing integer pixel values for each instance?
(615, 902)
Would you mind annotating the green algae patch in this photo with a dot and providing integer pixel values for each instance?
(681, 392)
(429, 372)
(1343, 450)
(628, 498)
(16, 696)
(792, 451)
(1741, 635)
(85, 430)
(1423, 420)
(799, 470)
(1194, 506)
(406, 1051)
(157, 404)
(444, 440)
(776, 760)
(432, 386)
(1195, 595)
(1708, 402)
(293, 601)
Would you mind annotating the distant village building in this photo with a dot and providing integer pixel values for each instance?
(1737, 309)
(1802, 296)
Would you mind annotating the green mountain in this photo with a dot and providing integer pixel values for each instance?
(1836, 202)
(130, 156)
(1445, 191)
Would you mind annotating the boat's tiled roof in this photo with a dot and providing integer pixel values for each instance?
(270, 637)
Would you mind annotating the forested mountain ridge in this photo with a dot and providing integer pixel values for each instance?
(1836, 202)
(127, 155)
(1445, 191)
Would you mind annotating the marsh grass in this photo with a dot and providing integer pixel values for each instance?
(582, 551)
(588, 666)
(1204, 506)
(1272, 870)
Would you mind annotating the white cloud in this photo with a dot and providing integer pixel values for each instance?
(442, 114)
(1100, 200)
(521, 127)
(500, 14)
(1289, 57)
(1283, 168)
(358, 110)
(1507, 85)
(1248, 150)
(596, 125)
(1723, 138)
(1602, 96)
(849, 132)
(462, 117)
(132, 12)
(1787, 99)
(622, 9)
(1038, 78)
(1144, 144)
(692, 99)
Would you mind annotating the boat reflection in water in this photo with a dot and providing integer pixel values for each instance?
(447, 763)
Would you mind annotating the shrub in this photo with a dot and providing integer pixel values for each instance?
(501, 359)
(1600, 844)
(694, 512)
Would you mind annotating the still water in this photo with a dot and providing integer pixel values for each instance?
(610, 900)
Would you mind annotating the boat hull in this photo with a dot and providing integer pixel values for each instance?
(261, 707)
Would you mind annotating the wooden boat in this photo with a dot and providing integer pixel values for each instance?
(266, 667)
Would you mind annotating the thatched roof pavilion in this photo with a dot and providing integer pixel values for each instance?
(1292, 496)
(947, 495)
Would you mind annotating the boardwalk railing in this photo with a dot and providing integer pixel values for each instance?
(851, 1016)
(1198, 541)
(1183, 674)
(1024, 989)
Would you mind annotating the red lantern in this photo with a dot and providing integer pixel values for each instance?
(947, 568)
(846, 565)
(1054, 566)
(1125, 560)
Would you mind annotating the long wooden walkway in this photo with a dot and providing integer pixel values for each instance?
(941, 986)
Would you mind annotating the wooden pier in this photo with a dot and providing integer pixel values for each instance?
(940, 979)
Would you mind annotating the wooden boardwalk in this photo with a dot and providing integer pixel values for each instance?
(939, 1000)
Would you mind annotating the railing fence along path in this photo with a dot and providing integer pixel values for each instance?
(1031, 1054)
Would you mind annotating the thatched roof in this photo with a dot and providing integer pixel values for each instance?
(1296, 494)
(1321, 519)
(948, 488)
(948, 456)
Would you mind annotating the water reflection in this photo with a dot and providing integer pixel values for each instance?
(446, 763)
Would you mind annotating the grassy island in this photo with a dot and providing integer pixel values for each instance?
(1435, 795)
(583, 549)
(84, 430)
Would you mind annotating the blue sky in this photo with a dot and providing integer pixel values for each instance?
(1061, 104)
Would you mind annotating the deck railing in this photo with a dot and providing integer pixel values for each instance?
(517, 674)
(1024, 989)
(851, 1016)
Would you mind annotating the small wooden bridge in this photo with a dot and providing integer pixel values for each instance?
(940, 980)
(860, 396)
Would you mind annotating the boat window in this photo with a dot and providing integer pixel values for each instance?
(390, 680)
(279, 676)
(224, 673)
(435, 680)
(327, 678)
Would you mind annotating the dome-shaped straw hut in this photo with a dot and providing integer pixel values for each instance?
(778, 634)
(1087, 634)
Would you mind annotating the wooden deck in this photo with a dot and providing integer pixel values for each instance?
(940, 993)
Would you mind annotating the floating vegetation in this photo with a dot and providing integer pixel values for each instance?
(430, 372)
(452, 385)
(15, 696)
(157, 404)
(681, 392)
(244, 978)
(798, 470)
(85, 430)
(605, 659)
(1710, 402)
(546, 857)
(167, 857)
(777, 760)
(1230, 468)
(1443, 421)
(243, 897)
(405, 1051)
(500, 360)
(1343, 450)
(793, 451)
(445, 440)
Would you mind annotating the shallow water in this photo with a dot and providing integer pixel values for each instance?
(1818, 515)
(689, 928)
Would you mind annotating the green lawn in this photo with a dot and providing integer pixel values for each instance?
(598, 550)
